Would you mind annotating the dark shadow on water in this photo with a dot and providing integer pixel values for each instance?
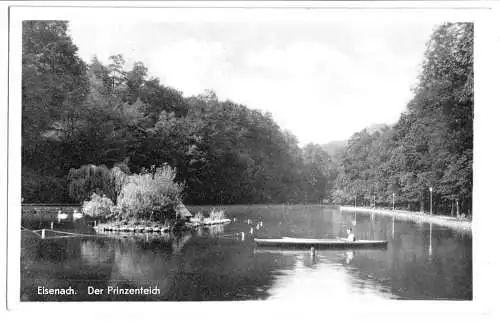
(184, 267)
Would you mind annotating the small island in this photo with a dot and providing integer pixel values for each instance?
(147, 202)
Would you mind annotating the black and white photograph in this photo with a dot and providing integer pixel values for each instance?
(232, 154)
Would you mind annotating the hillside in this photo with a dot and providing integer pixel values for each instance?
(333, 147)
(375, 127)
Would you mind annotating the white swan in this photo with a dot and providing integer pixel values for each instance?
(61, 216)
(77, 215)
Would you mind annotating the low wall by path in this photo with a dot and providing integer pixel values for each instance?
(447, 221)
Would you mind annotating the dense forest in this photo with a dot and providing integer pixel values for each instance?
(430, 146)
(78, 114)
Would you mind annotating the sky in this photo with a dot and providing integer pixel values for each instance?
(323, 81)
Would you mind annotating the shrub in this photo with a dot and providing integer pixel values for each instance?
(217, 214)
(99, 206)
(198, 217)
(152, 194)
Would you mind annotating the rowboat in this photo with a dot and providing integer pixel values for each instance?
(318, 243)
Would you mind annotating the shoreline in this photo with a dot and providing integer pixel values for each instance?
(416, 217)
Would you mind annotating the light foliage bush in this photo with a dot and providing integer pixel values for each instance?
(99, 206)
(152, 194)
(217, 214)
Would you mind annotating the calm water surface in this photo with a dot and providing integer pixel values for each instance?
(421, 261)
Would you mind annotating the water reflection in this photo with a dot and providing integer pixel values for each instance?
(214, 263)
(179, 242)
(430, 242)
(215, 230)
(96, 252)
(324, 276)
(393, 221)
(349, 255)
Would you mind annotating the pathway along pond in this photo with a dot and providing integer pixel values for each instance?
(421, 261)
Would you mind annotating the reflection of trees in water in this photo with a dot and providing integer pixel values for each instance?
(179, 242)
(52, 250)
(430, 242)
(210, 267)
(211, 230)
(96, 252)
(393, 226)
(139, 261)
(60, 263)
(207, 268)
(417, 264)
(133, 261)
(427, 263)
(215, 230)
(222, 269)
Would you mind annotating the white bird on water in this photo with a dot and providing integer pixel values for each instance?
(61, 216)
(77, 215)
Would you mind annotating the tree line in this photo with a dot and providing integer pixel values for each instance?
(77, 114)
(431, 145)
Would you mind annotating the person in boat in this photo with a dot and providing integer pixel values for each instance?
(350, 235)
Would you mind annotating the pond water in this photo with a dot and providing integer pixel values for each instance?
(421, 261)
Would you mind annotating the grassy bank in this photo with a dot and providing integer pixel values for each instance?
(417, 217)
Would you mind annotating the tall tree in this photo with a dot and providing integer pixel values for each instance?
(54, 82)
